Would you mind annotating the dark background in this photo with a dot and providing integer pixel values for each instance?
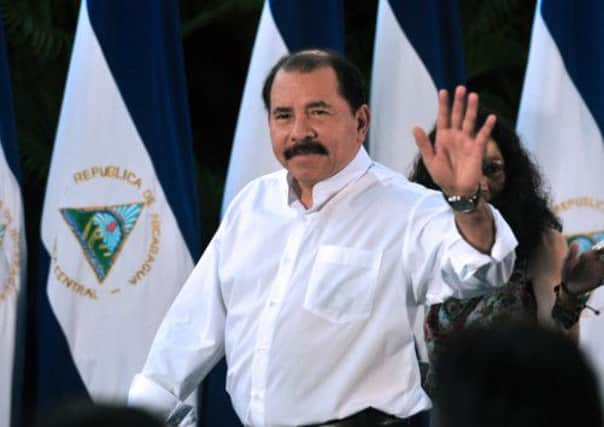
(218, 36)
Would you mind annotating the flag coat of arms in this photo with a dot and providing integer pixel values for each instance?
(119, 225)
(12, 255)
(561, 120)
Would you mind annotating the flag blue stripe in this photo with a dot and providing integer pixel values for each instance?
(309, 23)
(143, 49)
(142, 46)
(577, 28)
(8, 136)
(431, 27)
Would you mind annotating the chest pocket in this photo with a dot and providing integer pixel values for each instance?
(342, 283)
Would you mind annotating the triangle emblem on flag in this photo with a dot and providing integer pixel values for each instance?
(585, 240)
(102, 232)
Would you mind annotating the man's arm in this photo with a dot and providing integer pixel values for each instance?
(455, 162)
(189, 342)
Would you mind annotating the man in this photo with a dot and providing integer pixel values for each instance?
(311, 284)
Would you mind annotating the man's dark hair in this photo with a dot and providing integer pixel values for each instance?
(351, 85)
(523, 202)
(514, 376)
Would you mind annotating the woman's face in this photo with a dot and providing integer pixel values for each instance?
(493, 172)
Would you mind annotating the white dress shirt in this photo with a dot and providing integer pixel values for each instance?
(314, 308)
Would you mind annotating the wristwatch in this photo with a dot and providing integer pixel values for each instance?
(463, 204)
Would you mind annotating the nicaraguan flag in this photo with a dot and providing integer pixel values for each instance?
(12, 255)
(561, 119)
(285, 26)
(120, 225)
(418, 50)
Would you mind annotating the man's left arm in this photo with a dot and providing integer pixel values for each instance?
(455, 164)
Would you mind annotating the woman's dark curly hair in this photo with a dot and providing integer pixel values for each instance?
(523, 201)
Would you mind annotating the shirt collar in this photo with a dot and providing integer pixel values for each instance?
(328, 188)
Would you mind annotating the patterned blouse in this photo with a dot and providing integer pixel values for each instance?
(512, 303)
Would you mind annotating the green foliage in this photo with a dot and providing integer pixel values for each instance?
(496, 36)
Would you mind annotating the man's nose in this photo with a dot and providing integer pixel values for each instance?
(302, 129)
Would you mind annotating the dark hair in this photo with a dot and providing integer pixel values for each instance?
(514, 375)
(523, 202)
(351, 85)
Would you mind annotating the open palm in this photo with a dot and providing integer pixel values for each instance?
(455, 160)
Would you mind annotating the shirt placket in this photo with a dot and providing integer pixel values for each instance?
(268, 320)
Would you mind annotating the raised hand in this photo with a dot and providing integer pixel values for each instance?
(582, 273)
(455, 160)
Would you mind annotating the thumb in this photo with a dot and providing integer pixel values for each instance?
(570, 260)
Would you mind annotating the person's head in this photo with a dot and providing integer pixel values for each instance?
(511, 182)
(317, 113)
(80, 413)
(516, 375)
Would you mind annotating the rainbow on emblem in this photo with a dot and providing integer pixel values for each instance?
(102, 232)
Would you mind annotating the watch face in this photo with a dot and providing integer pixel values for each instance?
(463, 205)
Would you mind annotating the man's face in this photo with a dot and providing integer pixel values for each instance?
(313, 131)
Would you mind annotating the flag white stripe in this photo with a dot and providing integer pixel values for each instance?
(252, 154)
(96, 130)
(403, 94)
(556, 125)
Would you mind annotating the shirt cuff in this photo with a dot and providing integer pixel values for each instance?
(504, 245)
(147, 394)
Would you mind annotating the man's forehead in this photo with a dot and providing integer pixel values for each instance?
(291, 84)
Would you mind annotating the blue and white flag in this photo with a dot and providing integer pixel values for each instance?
(12, 254)
(285, 26)
(120, 227)
(561, 120)
(418, 50)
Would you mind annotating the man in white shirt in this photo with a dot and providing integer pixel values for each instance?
(311, 284)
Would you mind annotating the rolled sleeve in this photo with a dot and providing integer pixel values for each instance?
(469, 272)
(444, 265)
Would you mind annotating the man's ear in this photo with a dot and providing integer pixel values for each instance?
(363, 118)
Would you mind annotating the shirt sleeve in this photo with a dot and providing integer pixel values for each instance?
(188, 344)
(440, 264)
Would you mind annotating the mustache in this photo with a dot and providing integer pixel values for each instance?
(306, 146)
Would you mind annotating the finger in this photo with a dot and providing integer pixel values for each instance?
(423, 143)
(484, 133)
(442, 120)
(470, 116)
(570, 260)
(458, 106)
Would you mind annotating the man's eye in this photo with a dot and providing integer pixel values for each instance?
(318, 112)
(281, 116)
